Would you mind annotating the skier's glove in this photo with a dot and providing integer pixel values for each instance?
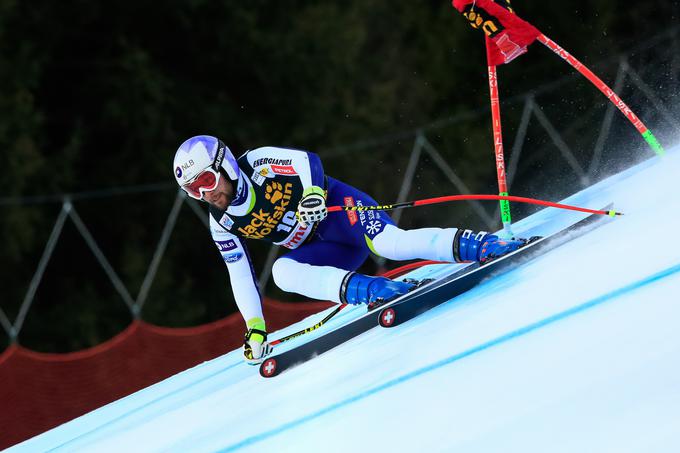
(255, 346)
(312, 207)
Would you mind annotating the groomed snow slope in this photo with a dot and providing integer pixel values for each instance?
(575, 351)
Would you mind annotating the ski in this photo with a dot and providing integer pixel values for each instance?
(278, 363)
(427, 295)
(464, 280)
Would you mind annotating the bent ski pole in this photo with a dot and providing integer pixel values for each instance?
(311, 328)
(437, 200)
(608, 92)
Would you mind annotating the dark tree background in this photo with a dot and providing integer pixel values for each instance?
(98, 95)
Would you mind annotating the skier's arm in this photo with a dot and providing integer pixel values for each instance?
(241, 273)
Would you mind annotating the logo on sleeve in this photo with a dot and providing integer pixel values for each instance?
(232, 258)
(225, 246)
(226, 222)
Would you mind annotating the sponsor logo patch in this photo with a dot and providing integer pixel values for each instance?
(480, 18)
(374, 227)
(182, 168)
(218, 160)
(232, 258)
(284, 170)
(362, 214)
(351, 215)
(370, 221)
(259, 177)
(311, 203)
(225, 246)
(298, 238)
(263, 221)
(226, 222)
(271, 161)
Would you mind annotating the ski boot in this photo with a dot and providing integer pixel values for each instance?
(483, 247)
(255, 345)
(372, 291)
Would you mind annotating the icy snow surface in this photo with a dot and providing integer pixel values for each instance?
(575, 351)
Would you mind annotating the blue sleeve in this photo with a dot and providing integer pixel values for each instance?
(316, 169)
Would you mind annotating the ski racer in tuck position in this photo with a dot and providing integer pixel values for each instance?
(280, 195)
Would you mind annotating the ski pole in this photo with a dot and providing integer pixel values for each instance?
(608, 92)
(311, 328)
(445, 199)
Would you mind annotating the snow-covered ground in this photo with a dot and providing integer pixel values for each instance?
(575, 351)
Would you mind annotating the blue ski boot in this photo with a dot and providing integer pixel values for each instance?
(482, 247)
(364, 289)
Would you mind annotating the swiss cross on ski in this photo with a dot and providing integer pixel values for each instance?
(387, 317)
(269, 367)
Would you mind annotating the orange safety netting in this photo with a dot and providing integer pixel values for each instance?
(39, 391)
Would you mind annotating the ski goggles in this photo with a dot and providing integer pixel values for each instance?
(203, 182)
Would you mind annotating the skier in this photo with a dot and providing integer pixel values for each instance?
(280, 195)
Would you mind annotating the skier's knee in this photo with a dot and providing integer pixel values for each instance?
(278, 270)
(283, 273)
(384, 243)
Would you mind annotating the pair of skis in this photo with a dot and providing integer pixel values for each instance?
(418, 301)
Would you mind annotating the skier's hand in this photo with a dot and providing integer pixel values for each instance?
(256, 347)
(312, 207)
(255, 352)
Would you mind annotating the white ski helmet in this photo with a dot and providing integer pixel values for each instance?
(200, 153)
